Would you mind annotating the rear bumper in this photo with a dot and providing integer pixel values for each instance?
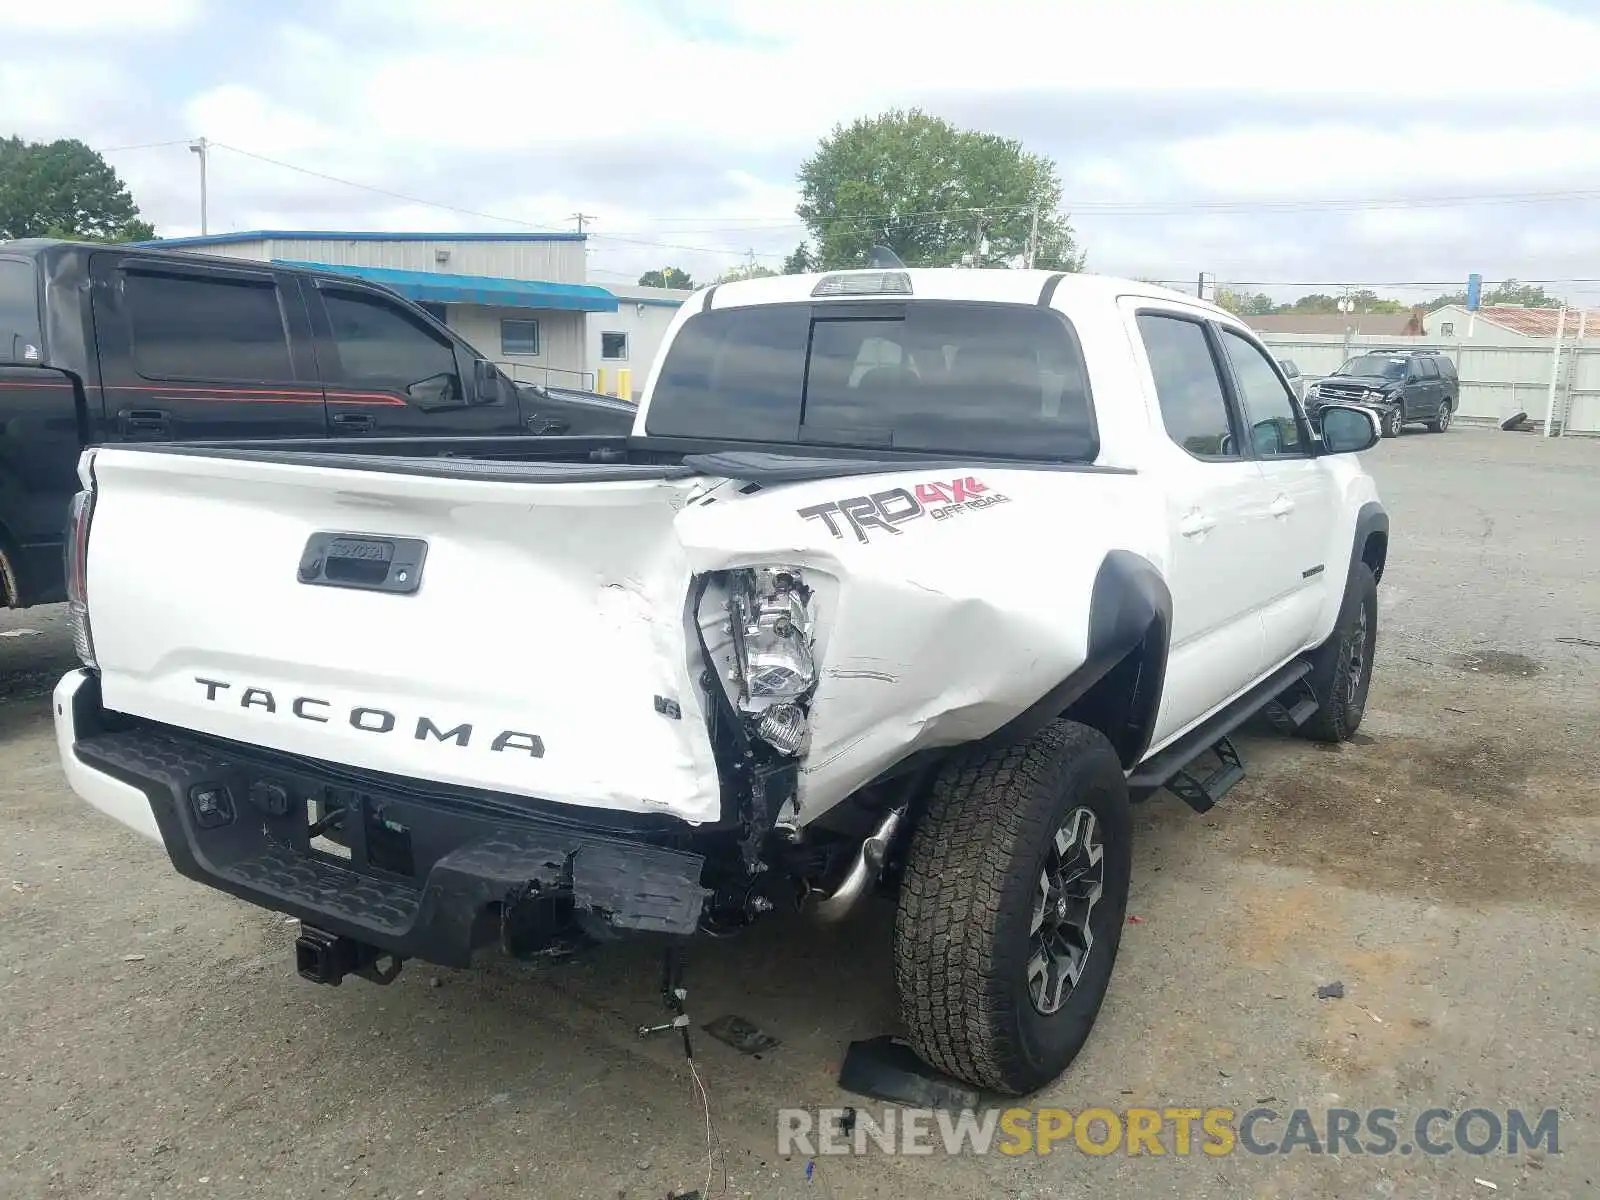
(417, 875)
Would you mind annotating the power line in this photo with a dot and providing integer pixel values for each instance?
(143, 146)
(470, 212)
(367, 187)
(1160, 208)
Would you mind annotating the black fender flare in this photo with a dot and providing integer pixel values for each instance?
(1370, 519)
(1130, 612)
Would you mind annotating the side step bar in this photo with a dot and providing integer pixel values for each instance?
(1169, 767)
(1202, 794)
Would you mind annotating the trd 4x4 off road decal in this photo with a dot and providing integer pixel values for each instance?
(886, 511)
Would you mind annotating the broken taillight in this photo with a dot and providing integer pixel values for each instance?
(78, 569)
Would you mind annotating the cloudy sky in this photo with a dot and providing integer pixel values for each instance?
(1284, 143)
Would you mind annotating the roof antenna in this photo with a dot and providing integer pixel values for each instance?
(885, 259)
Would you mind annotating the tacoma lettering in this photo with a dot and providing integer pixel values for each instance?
(374, 720)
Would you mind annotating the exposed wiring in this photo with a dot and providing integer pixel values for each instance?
(713, 1138)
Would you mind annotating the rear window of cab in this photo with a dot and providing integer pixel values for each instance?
(941, 376)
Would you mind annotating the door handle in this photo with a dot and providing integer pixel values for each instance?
(1282, 506)
(539, 423)
(352, 422)
(1195, 524)
(143, 420)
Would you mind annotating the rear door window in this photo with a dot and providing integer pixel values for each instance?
(206, 327)
(941, 376)
(1194, 408)
(1427, 369)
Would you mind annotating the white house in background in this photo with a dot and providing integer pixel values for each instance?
(521, 299)
(1501, 323)
(629, 338)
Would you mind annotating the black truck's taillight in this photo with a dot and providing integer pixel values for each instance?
(78, 570)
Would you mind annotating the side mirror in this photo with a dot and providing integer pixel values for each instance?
(485, 382)
(436, 392)
(1347, 429)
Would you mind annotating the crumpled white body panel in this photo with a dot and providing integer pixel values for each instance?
(932, 631)
(553, 615)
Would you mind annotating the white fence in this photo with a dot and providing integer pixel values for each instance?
(1497, 379)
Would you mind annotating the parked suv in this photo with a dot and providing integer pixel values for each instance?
(1297, 381)
(1404, 386)
(104, 344)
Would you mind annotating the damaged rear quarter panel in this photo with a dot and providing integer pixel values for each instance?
(940, 629)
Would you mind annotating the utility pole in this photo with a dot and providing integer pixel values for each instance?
(580, 218)
(1033, 237)
(200, 146)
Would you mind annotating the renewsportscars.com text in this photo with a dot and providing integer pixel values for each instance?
(1213, 1132)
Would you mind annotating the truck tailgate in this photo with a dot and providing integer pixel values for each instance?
(542, 652)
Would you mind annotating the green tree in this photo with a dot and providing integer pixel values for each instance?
(1316, 302)
(667, 277)
(750, 269)
(1244, 305)
(931, 192)
(64, 189)
(1366, 301)
(1529, 295)
(800, 262)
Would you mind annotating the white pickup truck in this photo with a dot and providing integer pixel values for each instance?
(905, 580)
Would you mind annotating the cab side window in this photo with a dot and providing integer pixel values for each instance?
(1268, 403)
(1194, 408)
(206, 327)
(380, 346)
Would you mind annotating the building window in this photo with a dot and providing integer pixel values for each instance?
(519, 337)
(614, 345)
(1447, 328)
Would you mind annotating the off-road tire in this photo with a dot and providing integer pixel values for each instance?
(1441, 420)
(961, 937)
(1342, 706)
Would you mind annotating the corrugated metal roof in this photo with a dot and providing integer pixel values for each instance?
(341, 235)
(1389, 324)
(440, 288)
(1539, 322)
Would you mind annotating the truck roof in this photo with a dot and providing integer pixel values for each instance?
(940, 283)
(53, 251)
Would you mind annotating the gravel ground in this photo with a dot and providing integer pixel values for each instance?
(1445, 867)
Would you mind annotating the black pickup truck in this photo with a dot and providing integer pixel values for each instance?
(116, 344)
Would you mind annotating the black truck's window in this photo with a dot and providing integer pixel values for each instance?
(381, 346)
(19, 310)
(942, 376)
(206, 327)
(1193, 407)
